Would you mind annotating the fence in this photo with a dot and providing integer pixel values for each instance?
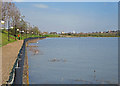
(16, 74)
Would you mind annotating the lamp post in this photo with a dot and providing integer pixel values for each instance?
(15, 32)
(26, 32)
(32, 33)
(11, 27)
(21, 27)
(18, 34)
(2, 22)
(8, 29)
(21, 33)
(17, 29)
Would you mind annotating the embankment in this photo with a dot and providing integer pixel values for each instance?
(19, 73)
(26, 66)
(9, 55)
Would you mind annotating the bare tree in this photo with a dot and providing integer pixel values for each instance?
(11, 13)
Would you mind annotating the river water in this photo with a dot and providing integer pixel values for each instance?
(84, 60)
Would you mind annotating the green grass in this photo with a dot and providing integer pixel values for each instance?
(5, 39)
(28, 36)
(52, 35)
(84, 35)
(4, 36)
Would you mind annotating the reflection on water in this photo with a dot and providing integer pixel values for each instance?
(57, 60)
(34, 49)
(74, 61)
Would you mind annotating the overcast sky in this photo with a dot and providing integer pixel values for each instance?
(71, 16)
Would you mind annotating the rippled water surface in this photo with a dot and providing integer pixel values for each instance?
(84, 60)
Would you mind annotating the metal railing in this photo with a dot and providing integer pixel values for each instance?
(16, 74)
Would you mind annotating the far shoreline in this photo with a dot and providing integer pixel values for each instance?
(82, 37)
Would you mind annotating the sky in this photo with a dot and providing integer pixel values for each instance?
(64, 0)
(71, 16)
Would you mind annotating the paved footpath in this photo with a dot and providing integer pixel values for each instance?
(9, 55)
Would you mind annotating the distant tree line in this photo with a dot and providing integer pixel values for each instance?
(95, 34)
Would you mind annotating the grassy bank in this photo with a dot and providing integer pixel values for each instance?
(5, 41)
(93, 35)
(24, 36)
(52, 35)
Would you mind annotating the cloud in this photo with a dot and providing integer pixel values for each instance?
(40, 6)
(18, 0)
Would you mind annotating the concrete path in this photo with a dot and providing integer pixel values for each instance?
(9, 55)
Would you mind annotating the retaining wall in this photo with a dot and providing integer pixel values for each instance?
(16, 75)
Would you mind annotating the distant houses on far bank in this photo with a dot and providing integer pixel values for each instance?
(70, 33)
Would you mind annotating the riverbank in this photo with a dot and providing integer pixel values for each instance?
(81, 37)
(9, 55)
(84, 35)
(25, 69)
(4, 38)
(26, 65)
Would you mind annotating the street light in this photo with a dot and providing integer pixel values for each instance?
(15, 32)
(11, 27)
(27, 27)
(27, 31)
(32, 33)
(23, 31)
(21, 19)
(2, 22)
(17, 29)
(18, 33)
(8, 29)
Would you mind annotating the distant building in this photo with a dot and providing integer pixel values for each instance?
(100, 32)
(73, 32)
(104, 32)
(109, 31)
(81, 33)
(62, 32)
(53, 32)
(45, 33)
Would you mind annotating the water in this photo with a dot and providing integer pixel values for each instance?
(84, 60)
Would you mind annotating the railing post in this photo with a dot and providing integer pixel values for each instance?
(19, 62)
(18, 76)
